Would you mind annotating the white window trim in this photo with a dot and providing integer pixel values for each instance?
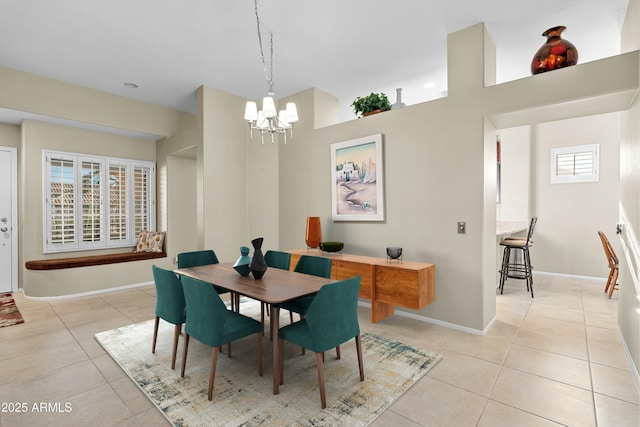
(574, 179)
(78, 244)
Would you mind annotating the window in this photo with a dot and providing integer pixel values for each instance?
(575, 164)
(96, 202)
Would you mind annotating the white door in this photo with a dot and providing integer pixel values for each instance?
(8, 213)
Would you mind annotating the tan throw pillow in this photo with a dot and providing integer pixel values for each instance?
(150, 241)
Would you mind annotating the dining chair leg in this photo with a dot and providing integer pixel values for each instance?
(212, 374)
(614, 281)
(176, 336)
(155, 334)
(323, 399)
(229, 349)
(359, 351)
(606, 287)
(259, 354)
(338, 352)
(184, 354)
(302, 349)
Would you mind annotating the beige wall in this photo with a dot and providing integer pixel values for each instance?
(629, 293)
(439, 168)
(177, 169)
(223, 162)
(515, 169)
(9, 135)
(37, 136)
(49, 97)
(569, 215)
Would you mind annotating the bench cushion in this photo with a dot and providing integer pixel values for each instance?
(86, 261)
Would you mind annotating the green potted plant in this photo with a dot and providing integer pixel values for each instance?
(371, 104)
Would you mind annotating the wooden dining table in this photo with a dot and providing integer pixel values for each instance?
(276, 287)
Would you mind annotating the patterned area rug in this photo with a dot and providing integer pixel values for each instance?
(241, 397)
(9, 313)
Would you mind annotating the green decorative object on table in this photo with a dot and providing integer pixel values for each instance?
(331, 246)
(242, 264)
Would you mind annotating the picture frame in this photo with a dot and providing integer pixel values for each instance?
(357, 179)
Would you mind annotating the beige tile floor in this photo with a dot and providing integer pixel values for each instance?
(553, 360)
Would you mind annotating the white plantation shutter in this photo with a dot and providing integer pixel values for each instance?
(96, 202)
(143, 190)
(60, 202)
(575, 164)
(92, 172)
(118, 200)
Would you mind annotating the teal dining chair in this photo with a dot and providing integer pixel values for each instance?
(170, 306)
(274, 259)
(308, 264)
(196, 258)
(277, 259)
(203, 257)
(209, 321)
(331, 320)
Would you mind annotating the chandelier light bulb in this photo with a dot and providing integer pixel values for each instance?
(292, 112)
(268, 107)
(251, 111)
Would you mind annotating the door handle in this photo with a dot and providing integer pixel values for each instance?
(4, 229)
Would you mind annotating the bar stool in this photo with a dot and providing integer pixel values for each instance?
(513, 268)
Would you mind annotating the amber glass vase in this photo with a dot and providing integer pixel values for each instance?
(555, 53)
(314, 232)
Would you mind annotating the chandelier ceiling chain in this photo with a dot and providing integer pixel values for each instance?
(269, 120)
(268, 75)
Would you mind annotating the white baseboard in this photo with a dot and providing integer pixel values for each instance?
(573, 276)
(436, 321)
(85, 294)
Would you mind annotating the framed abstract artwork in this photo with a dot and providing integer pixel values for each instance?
(357, 179)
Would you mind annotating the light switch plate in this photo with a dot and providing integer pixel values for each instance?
(462, 228)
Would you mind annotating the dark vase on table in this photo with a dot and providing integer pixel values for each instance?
(258, 266)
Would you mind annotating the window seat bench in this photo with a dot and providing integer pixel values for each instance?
(87, 261)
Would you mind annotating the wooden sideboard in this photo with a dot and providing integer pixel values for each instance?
(386, 283)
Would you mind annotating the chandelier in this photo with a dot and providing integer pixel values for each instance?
(269, 120)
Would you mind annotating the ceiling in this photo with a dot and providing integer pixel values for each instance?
(347, 48)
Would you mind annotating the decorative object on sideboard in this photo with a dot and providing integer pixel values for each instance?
(394, 253)
(398, 103)
(258, 265)
(331, 246)
(269, 120)
(313, 236)
(370, 104)
(242, 264)
(555, 53)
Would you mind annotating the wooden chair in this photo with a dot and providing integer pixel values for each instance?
(332, 319)
(170, 306)
(209, 321)
(612, 260)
